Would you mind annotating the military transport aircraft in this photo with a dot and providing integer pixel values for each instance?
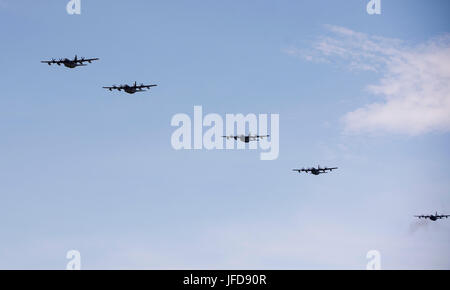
(247, 138)
(71, 63)
(433, 217)
(131, 89)
(316, 171)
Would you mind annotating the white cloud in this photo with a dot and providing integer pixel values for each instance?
(414, 80)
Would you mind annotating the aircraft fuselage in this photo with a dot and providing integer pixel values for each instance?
(131, 90)
(245, 139)
(71, 64)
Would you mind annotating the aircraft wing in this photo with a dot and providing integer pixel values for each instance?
(443, 216)
(422, 216)
(326, 169)
(53, 61)
(301, 170)
(81, 61)
(146, 86)
(114, 88)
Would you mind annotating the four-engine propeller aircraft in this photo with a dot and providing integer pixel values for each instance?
(131, 89)
(247, 138)
(432, 217)
(315, 171)
(71, 63)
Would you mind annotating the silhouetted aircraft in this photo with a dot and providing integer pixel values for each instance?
(432, 217)
(315, 171)
(247, 138)
(70, 63)
(131, 89)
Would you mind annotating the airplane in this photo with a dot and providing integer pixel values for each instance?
(315, 171)
(131, 89)
(247, 138)
(71, 63)
(432, 217)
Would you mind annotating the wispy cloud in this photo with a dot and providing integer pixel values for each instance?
(414, 81)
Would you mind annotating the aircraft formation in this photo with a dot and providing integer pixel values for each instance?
(135, 88)
(76, 62)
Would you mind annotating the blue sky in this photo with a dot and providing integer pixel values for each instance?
(83, 168)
